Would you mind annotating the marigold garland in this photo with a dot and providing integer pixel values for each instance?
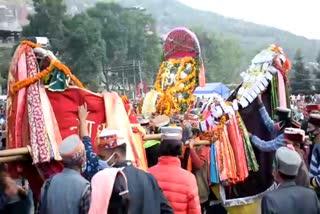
(220, 127)
(31, 44)
(53, 64)
(139, 108)
(26, 82)
(168, 103)
(124, 98)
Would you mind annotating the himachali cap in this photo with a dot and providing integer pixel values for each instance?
(314, 119)
(144, 122)
(295, 135)
(109, 139)
(287, 161)
(160, 121)
(172, 133)
(282, 110)
(191, 117)
(72, 150)
(313, 107)
(295, 124)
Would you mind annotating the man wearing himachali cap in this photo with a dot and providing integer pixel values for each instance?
(152, 146)
(276, 128)
(145, 195)
(288, 197)
(296, 137)
(309, 109)
(94, 163)
(179, 186)
(67, 192)
(314, 130)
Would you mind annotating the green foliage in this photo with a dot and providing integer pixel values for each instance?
(84, 49)
(110, 35)
(105, 35)
(5, 56)
(48, 21)
(252, 37)
(317, 73)
(124, 31)
(222, 57)
(301, 81)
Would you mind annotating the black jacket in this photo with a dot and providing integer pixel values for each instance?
(145, 195)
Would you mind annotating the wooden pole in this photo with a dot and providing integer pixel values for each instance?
(14, 152)
(158, 137)
(152, 137)
(21, 154)
(13, 158)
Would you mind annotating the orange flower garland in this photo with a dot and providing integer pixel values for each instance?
(31, 44)
(220, 127)
(168, 103)
(53, 64)
(139, 109)
(24, 83)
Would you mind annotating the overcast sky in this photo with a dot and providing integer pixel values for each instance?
(300, 17)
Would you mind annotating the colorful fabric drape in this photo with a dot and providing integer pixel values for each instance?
(202, 76)
(51, 125)
(19, 110)
(282, 91)
(250, 156)
(17, 123)
(38, 136)
(43, 139)
(274, 94)
(137, 130)
(30, 117)
(237, 144)
(214, 173)
(226, 160)
(117, 118)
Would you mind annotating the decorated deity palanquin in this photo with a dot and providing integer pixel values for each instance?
(181, 71)
(42, 110)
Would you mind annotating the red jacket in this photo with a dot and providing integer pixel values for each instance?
(178, 185)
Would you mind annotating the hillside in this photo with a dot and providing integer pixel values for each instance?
(252, 37)
(172, 13)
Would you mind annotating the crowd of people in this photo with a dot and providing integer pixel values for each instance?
(106, 182)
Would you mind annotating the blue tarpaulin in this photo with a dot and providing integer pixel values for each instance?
(213, 88)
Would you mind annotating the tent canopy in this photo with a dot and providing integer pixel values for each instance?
(213, 88)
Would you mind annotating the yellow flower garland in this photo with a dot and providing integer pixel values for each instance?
(168, 104)
(220, 127)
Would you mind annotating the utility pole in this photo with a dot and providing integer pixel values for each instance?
(134, 80)
(140, 77)
(123, 88)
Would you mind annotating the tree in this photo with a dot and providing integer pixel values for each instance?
(144, 43)
(85, 49)
(300, 82)
(5, 56)
(317, 73)
(221, 56)
(126, 33)
(48, 21)
(102, 37)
